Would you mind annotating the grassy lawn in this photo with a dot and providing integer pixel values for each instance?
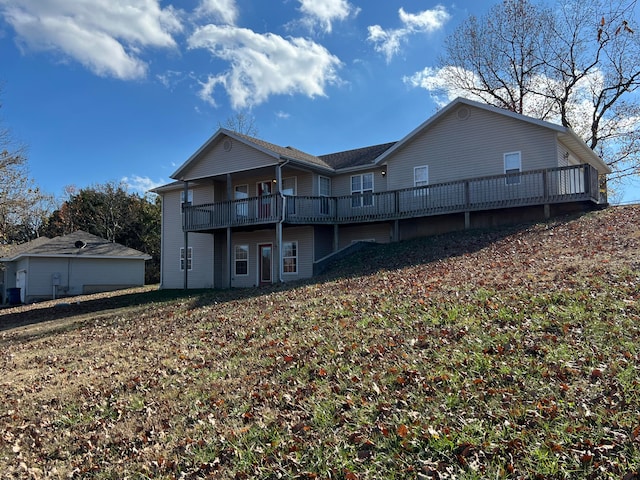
(501, 354)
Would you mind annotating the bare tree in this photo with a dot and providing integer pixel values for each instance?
(241, 122)
(23, 207)
(577, 63)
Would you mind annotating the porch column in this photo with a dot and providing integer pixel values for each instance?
(186, 235)
(229, 259)
(229, 187)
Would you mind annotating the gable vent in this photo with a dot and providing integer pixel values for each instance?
(463, 113)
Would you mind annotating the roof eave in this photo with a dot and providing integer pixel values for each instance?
(179, 173)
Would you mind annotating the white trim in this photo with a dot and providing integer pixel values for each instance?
(295, 257)
(188, 261)
(189, 197)
(259, 263)
(423, 183)
(362, 190)
(515, 179)
(320, 194)
(295, 185)
(236, 260)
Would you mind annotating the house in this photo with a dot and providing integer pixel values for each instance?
(244, 212)
(74, 264)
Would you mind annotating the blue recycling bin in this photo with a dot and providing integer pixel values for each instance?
(13, 295)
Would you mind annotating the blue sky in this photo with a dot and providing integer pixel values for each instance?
(111, 90)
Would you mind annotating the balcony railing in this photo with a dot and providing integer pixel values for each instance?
(557, 185)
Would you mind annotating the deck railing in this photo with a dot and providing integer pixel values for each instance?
(538, 187)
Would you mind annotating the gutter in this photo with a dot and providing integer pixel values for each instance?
(282, 216)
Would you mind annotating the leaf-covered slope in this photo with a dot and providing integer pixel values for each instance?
(502, 354)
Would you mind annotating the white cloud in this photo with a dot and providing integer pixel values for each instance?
(389, 42)
(106, 36)
(436, 82)
(325, 12)
(282, 115)
(580, 108)
(140, 184)
(225, 11)
(264, 64)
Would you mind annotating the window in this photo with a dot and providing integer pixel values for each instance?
(324, 190)
(362, 190)
(421, 179)
(242, 260)
(289, 190)
(241, 192)
(189, 198)
(189, 258)
(512, 167)
(290, 257)
(289, 186)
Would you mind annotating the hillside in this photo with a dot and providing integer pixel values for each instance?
(508, 353)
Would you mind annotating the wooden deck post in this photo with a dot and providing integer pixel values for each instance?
(467, 220)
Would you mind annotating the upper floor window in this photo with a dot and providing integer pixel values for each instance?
(421, 179)
(289, 186)
(362, 190)
(324, 186)
(324, 190)
(241, 192)
(512, 168)
(189, 198)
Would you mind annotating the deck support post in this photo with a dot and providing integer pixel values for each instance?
(467, 220)
(229, 259)
(547, 211)
(396, 231)
(336, 238)
(185, 202)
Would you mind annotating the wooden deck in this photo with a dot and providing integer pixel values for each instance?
(538, 187)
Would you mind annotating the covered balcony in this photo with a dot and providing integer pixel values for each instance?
(578, 183)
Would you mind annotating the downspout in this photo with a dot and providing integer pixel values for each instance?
(282, 217)
(186, 234)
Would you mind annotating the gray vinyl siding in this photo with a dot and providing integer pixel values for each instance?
(172, 240)
(304, 237)
(217, 161)
(378, 232)
(303, 181)
(202, 273)
(252, 239)
(79, 275)
(457, 149)
(341, 184)
(323, 241)
(220, 263)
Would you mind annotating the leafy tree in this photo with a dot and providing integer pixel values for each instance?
(577, 63)
(114, 214)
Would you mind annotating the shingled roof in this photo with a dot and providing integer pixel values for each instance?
(286, 152)
(335, 161)
(357, 157)
(77, 244)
